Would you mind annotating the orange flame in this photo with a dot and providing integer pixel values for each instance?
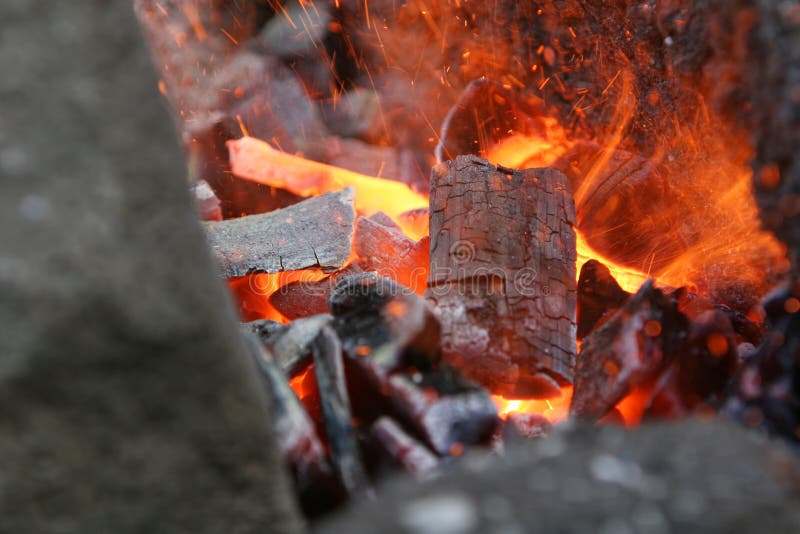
(257, 161)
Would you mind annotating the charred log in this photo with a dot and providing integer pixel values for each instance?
(317, 232)
(599, 295)
(502, 274)
(628, 351)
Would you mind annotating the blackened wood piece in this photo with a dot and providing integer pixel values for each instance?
(382, 247)
(598, 295)
(294, 430)
(767, 389)
(290, 344)
(345, 453)
(300, 299)
(317, 232)
(445, 419)
(379, 319)
(502, 275)
(629, 350)
(701, 370)
(403, 449)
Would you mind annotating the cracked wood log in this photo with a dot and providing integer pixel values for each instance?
(502, 274)
(317, 232)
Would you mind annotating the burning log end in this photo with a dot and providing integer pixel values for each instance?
(317, 232)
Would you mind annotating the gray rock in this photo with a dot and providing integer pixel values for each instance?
(680, 477)
(128, 403)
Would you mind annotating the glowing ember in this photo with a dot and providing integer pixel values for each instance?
(555, 409)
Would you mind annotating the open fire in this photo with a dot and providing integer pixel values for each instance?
(587, 245)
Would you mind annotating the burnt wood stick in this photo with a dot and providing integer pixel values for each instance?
(502, 274)
(599, 294)
(403, 449)
(291, 344)
(294, 429)
(317, 232)
(628, 351)
(329, 371)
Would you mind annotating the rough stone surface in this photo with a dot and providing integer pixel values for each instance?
(681, 477)
(128, 404)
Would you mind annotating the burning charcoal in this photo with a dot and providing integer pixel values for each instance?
(299, 299)
(317, 232)
(702, 368)
(403, 449)
(694, 306)
(382, 247)
(502, 275)
(447, 415)
(598, 296)
(291, 344)
(629, 350)
(294, 430)
(486, 112)
(329, 371)
(767, 390)
(384, 321)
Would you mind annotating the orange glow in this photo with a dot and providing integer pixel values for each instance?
(304, 384)
(555, 410)
(252, 292)
(257, 161)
